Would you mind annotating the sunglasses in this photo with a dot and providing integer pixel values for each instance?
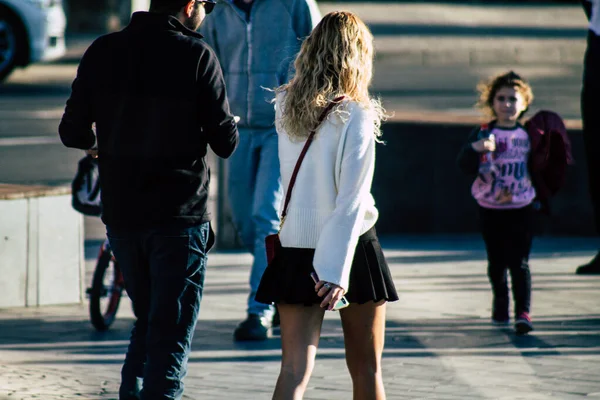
(209, 5)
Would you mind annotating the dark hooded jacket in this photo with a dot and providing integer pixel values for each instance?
(156, 93)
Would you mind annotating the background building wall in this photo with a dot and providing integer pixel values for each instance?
(100, 16)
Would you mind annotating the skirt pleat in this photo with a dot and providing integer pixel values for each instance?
(287, 279)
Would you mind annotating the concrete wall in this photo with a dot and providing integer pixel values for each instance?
(41, 252)
(100, 16)
(419, 189)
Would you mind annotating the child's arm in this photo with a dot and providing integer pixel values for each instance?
(468, 158)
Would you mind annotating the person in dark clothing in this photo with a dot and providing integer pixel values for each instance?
(256, 41)
(498, 154)
(156, 93)
(591, 119)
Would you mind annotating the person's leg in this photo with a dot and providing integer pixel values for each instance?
(494, 240)
(265, 220)
(265, 214)
(241, 182)
(364, 337)
(300, 331)
(521, 237)
(177, 264)
(591, 136)
(498, 277)
(126, 247)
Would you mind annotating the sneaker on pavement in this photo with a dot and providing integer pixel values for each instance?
(254, 327)
(591, 268)
(500, 312)
(129, 396)
(130, 389)
(523, 324)
(501, 322)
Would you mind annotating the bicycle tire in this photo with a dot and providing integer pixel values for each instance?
(103, 319)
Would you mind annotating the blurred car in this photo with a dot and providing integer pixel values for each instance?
(30, 31)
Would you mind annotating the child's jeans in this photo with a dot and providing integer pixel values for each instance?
(508, 235)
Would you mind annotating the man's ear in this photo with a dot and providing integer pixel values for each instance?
(188, 9)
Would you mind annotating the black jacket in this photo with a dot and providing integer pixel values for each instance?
(156, 93)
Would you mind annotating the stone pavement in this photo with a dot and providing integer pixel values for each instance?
(439, 341)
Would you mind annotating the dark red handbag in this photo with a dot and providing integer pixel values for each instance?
(273, 246)
(272, 242)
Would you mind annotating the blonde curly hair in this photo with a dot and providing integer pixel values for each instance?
(336, 59)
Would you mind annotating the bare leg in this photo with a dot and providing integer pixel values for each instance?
(364, 336)
(300, 331)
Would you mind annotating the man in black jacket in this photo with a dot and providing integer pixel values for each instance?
(156, 93)
(591, 118)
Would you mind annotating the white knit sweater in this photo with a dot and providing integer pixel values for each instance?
(331, 203)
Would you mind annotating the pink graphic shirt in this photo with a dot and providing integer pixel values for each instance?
(508, 185)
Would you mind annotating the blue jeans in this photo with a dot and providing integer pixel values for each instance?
(164, 276)
(255, 196)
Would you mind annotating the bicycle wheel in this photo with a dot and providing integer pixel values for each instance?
(106, 291)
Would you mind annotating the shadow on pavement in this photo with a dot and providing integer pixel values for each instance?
(476, 255)
(556, 336)
(543, 282)
(35, 89)
(476, 31)
(417, 249)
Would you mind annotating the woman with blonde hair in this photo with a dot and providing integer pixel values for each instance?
(327, 233)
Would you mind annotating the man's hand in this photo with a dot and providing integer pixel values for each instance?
(92, 152)
(332, 292)
(484, 145)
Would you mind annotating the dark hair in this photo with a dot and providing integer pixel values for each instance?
(171, 7)
(488, 89)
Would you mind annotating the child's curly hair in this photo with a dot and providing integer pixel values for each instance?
(488, 89)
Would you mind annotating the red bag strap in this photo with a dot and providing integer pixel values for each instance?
(288, 195)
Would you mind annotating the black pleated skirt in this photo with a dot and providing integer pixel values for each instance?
(287, 279)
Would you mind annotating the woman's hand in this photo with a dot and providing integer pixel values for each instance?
(484, 145)
(332, 292)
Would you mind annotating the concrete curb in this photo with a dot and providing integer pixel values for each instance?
(548, 55)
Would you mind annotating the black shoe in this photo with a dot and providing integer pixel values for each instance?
(130, 392)
(129, 396)
(523, 324)
(276, 320)
(591, 268)
(500, 311)
(254, 327)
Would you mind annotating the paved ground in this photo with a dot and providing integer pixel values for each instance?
(439, 342)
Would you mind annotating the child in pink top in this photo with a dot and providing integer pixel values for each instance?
(498, 153)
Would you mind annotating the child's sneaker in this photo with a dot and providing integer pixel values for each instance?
(500, 312)
(500, 322)
(523, 324)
